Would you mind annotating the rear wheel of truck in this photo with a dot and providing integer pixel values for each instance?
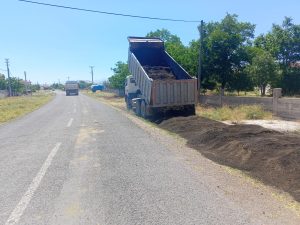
(128, 103)
(189, 110)
(144, 111)
(138, 108)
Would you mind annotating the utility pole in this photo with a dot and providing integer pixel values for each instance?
(92, 72)
(200, 28)
(8, 75)
(26, 91)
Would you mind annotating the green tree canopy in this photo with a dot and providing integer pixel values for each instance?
(263, 70)
(2, 82)
(283, 42)
(225, 48)
(165, 35)
(121, 71)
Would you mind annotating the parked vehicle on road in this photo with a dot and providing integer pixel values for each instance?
(157, 82)
(71, 88)
(97, 87)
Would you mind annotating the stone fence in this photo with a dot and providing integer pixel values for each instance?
(3, 93)
(280, 106)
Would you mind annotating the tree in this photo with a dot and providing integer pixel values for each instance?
(35, 87)
(225, 48)
(165, 35)
(240, 81)
(283, 42)
(2, 82)
(121, 71)
(17, 85)
(57, 86)
(83, 84)
(291, 82)
(264, 70)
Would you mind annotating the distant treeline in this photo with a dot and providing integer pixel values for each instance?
(233, 59)
(18, 86)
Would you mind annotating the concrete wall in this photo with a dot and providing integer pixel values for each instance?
(3, 93)
(284, 107)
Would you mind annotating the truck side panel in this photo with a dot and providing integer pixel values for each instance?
(140, 76)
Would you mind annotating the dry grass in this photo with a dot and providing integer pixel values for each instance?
(235, 114)
(13, 107)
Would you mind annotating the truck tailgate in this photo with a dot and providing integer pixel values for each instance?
(174, 92)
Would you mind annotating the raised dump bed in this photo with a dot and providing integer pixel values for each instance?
(160, 81)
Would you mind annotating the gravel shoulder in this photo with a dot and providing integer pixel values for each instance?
(278, 125)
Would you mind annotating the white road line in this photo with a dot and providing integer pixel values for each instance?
(70, 122)
(20, 208)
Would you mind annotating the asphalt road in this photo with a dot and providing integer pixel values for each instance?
(79, 161)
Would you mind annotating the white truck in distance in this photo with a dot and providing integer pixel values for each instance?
(71, 87)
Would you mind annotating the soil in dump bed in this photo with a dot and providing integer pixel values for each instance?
(159, 72)
(268, 155)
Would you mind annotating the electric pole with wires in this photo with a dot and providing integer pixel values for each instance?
(92, 72)
(200, 28)
(8, 75)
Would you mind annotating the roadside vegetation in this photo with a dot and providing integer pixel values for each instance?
(234, 114)
(233, 59)
(13, 107)
(225, 113)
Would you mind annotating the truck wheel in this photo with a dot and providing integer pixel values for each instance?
(190, 110)
(144, 113)
(128, 103)
(138, 108)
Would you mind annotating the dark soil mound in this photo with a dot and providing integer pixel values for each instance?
(159, 72)
(270, 156)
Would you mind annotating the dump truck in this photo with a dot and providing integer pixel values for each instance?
(71, 87)
(157, 82)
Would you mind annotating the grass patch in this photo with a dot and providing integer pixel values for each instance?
(13, 107)
(236, 114)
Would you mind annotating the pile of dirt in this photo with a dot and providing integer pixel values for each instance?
(268, 155)
(159, 72)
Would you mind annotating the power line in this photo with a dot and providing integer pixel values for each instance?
(111, 13)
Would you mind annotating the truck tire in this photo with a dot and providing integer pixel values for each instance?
(190, 110)
(128, 103)
(138, 108)
(144, 112)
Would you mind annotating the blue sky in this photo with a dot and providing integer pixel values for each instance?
(51, 44)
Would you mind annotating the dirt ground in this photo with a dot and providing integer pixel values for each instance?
(271, 156)
(159, 73)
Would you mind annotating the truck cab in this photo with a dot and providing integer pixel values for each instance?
(131, 90)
